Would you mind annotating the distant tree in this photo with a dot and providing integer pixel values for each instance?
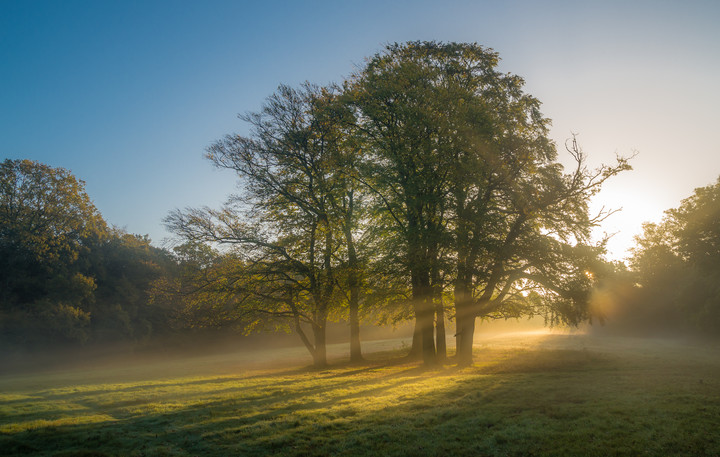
(47, 222)
(125, 267)
(65, 276)
(677, 266)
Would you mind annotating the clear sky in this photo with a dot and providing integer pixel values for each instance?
(128, 94)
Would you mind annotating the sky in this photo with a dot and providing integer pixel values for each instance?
(128, 94)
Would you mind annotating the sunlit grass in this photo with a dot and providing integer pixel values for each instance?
(537, 395)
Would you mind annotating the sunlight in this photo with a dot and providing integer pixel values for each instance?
(523, 339)
(85, 419)
(633, 207)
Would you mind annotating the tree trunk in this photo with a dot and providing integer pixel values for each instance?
(322, 298)
(416, 348)
(439, 311)
(465, 332)
(320, 353)
(420, 269)
(465, 243)
(440, 335)
(354, 285)
(355, 347)
(312, 348)
(464, 317)
(424, 316)
(306, 341)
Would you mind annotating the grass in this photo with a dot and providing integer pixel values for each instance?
(538, 395)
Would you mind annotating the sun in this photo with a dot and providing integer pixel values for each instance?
(630, 207)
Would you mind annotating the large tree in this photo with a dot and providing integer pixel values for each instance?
(400, 116)
(293, 226)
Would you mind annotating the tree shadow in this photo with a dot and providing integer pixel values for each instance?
(512, 402)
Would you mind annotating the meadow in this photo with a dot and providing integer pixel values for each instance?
(531, 393)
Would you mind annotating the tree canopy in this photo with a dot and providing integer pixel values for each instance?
(66, 276)
(461, 164)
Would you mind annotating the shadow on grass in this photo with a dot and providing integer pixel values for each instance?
(512, 402)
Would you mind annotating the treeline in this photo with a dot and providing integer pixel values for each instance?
(66, 277)
(672, 285)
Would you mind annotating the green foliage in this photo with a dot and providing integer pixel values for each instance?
(466, 181)
(47, 225)
(125, 267)
(66, 321)
(289, 232)
(47, 222)
(65, 276)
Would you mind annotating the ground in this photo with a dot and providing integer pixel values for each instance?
(531, 393)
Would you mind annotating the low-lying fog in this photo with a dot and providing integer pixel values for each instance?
(230, 353)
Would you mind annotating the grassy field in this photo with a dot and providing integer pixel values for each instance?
(528, 394)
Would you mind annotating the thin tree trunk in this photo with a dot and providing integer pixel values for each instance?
(439, 311)
(322, 297)
(355, 346)
(306, 341)
(312, 349)
(440, 335)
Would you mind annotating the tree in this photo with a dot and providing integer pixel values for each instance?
(527, 233)
(399, 112)
(677, 265)
(124, 267)
(294, 220)
(47, 222)
(65, 276)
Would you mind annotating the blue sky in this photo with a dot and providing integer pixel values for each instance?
(128, 94)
